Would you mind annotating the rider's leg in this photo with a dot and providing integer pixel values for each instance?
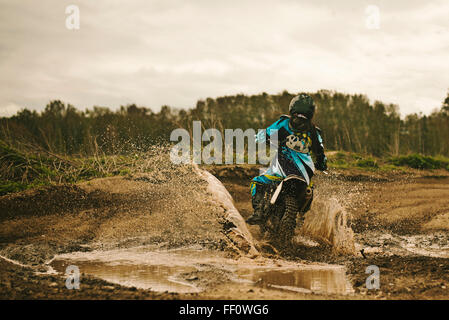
(257, 199)
(259, 186)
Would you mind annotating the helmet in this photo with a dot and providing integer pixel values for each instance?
(302, 104)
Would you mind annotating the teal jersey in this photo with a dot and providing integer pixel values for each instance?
(293, 155)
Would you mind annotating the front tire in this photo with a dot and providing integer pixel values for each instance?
(288, 222)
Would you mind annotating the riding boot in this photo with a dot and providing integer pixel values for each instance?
(258, 205)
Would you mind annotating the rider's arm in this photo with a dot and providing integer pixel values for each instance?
(321, 159)
(271, 133)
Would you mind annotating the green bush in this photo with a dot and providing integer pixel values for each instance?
(340, 155)
(367, 163)
(11, 186)
(418, 161)
(338, 160)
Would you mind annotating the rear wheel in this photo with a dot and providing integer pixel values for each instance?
(288, 222)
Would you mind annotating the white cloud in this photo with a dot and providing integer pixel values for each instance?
(10, 109)
(176, 52)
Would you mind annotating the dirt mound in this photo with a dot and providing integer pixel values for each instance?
(233, 172)
(167, 205)
(51, 200)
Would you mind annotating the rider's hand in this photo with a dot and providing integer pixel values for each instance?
(321, 163)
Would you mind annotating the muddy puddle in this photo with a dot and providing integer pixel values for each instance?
(435, 245)
(158, 278)
(327, 280)
(189, 271)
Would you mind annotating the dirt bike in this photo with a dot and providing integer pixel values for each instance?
(281, 205)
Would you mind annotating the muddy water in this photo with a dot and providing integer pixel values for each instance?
(180, 271)
(143, 267)
(158, 278)
(435, 245)
(432, 245)
(313, 280)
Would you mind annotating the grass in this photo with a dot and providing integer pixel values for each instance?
(20, 170)
(31, 167)
(418, 161)
(346, 160)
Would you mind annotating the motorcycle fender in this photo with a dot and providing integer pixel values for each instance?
(279, 188)
(276, 193)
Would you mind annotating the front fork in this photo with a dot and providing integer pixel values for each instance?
(267, 208)
(308, 197)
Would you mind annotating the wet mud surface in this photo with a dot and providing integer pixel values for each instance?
(400, 224)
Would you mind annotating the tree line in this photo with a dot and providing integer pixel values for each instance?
(349, 122)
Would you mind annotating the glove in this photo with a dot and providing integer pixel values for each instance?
(321, 162)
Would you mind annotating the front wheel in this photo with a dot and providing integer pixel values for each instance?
(288, 222)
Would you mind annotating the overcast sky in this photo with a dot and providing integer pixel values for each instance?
(175, 52)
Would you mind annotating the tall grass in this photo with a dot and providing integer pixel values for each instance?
(20, 170)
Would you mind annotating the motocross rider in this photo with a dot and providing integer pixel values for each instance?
(297, 137)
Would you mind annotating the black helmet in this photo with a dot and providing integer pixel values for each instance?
(302, 104)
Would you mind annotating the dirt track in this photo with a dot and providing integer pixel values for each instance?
(387, 210)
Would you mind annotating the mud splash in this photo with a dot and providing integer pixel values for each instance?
(238, 233)
(329, 222)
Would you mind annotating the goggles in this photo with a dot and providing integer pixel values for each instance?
(299, 115)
